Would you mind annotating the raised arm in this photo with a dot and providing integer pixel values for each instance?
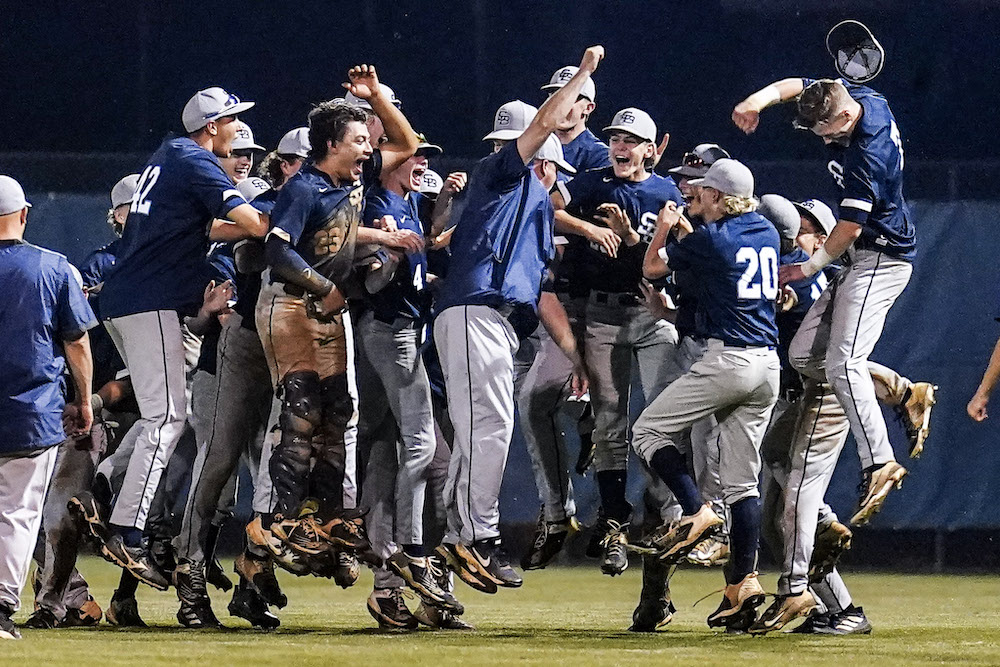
(746, 115)
(401, 139)
(557, 106)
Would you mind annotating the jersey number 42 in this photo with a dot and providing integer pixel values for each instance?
(141, 203)
(760, 278)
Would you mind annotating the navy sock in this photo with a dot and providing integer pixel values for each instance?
(671, 466)
(127, 586)
(414, 550)
(132, 537)
(744, 538)
(611, 484)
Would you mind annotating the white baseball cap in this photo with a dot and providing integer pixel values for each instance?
(211, 104)
(252, 187)
(552, 151)
(511, 120)
(431, 183)
(634, 121)
(295, 142)
(244, 139)
(728, 176)
(782, 214)
(124, 191)
(11, 196)
(355, 101)
(819, 212)
(562, 77)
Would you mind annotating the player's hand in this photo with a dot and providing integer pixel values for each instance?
(455, 182)
(668, 216)
(363, 82)
(661, 149)
(606, 239)
(787, 299)
(790, 273)
(746, 117)
(579, 383)
(443, 239)
(78, 419)
(656, 301)
(333, 303)
(977, 407)
(614, 217)
(217, 297)
(592, 57)
(403, 240)
(387, 223)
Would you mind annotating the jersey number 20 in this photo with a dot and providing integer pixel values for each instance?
(140, 204)
(763, 263)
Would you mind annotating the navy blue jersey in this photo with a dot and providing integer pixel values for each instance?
(248, 284)
(96, 266)
(320, 219)
(162, 253)
(585, 152)
(869, 172)
(41, 305)
(736, 262)
(406, 295)
(807, 291)
(641, 201)
(503, 238)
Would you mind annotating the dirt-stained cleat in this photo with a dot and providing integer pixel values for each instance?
(784, 610)
(876, 484)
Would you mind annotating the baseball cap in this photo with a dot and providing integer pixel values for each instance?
(354, 100)
(11, 196)
(782, 214)
(211, 104)
(695, 163)
(511, 120)
(431, 183)
(295, 142)
(252, 187)
(427, 147)
(729, 177)
(818, 212)
(124, 191)
(552, 151)
(634, 121)
(562, 77)
(857, 55)
(244, 139)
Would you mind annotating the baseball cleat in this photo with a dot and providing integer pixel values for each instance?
(419, 575)
(347, 569)
(490, 561)
(810, 626)
(739, 604)
(709, 552)
(89, 513)
(832, 540)
(465, 569)
(42, 619)
(386, 606)
(434, 617)
(678, 542)
(600, 530)
(123, 612)
(784, 610)
(88, 615)
(848, 622)
(7, 628)
(614, 557)
(192, 591)
(876, 484)
(198, 617)
(258, 573)
(652, 615)
(345, 532)
(916, 415)
(250, 606)
(136, 560)
(283, 555)
(301, 535)
(161, 553)
(550, 536)
(216, 576)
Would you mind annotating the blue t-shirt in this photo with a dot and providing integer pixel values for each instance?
(162, 253)
(869, 172)
(584, 153)
(41, 305)
(736, 261)
(406, 295)
(641, 201)
(96, 266)
(503, 239)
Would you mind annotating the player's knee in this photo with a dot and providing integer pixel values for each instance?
(337, 404)
(300, 407)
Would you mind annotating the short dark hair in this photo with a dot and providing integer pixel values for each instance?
(328, 122)
(819, 102)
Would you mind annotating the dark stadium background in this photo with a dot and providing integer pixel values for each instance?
(91, 88)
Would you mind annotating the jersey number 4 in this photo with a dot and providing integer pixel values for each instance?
(141, 203)
(761, 275)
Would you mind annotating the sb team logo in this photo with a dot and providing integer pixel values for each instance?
(503, 117)
(627, 118)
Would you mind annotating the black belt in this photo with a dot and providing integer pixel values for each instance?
(293, 290)
(616, 298)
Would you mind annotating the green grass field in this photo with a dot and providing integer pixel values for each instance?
(561, 616)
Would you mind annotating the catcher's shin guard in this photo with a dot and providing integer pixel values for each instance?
(326, 483)
(300, 416)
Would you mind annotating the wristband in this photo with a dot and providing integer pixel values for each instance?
(96, 403)
(765, 97)
(819, 260)
(662, 254)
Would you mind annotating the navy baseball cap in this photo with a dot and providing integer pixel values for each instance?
(211, 104)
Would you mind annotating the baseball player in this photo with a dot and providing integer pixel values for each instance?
(239, 164)
(735, 255)
(96, 265)
(625, 199)
(42, 309)
(500, 248)
(310, 253)
(285, 161)
(875, 229)
(154, 283)
(581, 147)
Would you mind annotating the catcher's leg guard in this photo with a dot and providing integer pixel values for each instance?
(326, 482)
(300, 415)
